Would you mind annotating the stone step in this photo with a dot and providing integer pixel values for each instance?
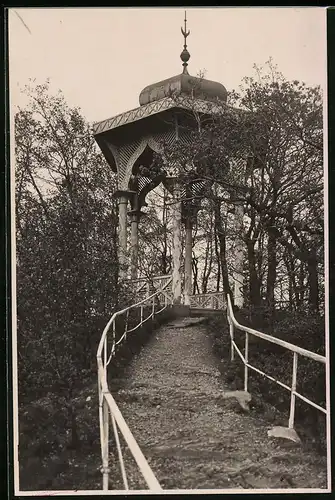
(198, 311)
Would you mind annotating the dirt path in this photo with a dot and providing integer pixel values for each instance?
(192, 436)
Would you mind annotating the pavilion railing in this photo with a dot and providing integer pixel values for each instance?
(212, 300)
(144, 287)
(295, 350)
(108, 409)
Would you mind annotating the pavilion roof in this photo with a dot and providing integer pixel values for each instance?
(153, 108)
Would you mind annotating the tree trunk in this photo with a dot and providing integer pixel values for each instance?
(205, 271)
(165, 245)
(195, 276)
(254, 281)
(301, 285)
(218, 278)
(208, 264)
(290, 277)
(222, 249)
(313, 285)
(272, 271)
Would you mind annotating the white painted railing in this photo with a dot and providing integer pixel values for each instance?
(144, 287)
(296, 351)
(108, 409)
(212, 300)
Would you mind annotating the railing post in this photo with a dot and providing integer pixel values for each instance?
(105, 445)
(293, 389)
(101, 420)
(153, 307)
(246, 356)
(176, 210)
(141, 314)
(188, 261)
(231, 330)
(118, 446)
(105, 354)
(114, 333)
(126, 325)
(212, 302)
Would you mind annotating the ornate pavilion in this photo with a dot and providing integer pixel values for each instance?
(131, 139)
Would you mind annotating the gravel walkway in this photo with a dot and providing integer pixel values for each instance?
(192, 435)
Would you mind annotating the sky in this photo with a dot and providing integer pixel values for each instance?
(102, 58)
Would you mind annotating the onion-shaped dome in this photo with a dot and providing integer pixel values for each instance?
(184, 84)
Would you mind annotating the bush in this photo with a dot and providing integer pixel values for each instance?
(57, 431)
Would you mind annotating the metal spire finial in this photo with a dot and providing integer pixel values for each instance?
(185, 55)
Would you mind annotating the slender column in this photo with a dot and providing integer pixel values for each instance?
(188, 260)
(123, 197)
(134, 246)
(135, 216)
(123, 236)
(176, 249)
(238, 274)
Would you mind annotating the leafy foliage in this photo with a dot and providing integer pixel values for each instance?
(265, 151)
(67, 288)
(66, 249)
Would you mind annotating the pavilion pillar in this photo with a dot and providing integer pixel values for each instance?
(122, 197)
(238, 273)
(176, 245)
(188, 261)
(135, 216)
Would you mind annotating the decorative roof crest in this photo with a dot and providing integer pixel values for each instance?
(185, 55)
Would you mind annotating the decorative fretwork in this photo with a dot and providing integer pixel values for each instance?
(143, 182)
(185, 138)
(145, 287)
(141, 145)
(126, 155)
(132, 115)
(144, 185)
(193, 193)
(211, 300)
(183, 102)
(127, 152)
(158, 141)
(115, 152)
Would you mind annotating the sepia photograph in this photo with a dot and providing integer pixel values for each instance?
(169, 250)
